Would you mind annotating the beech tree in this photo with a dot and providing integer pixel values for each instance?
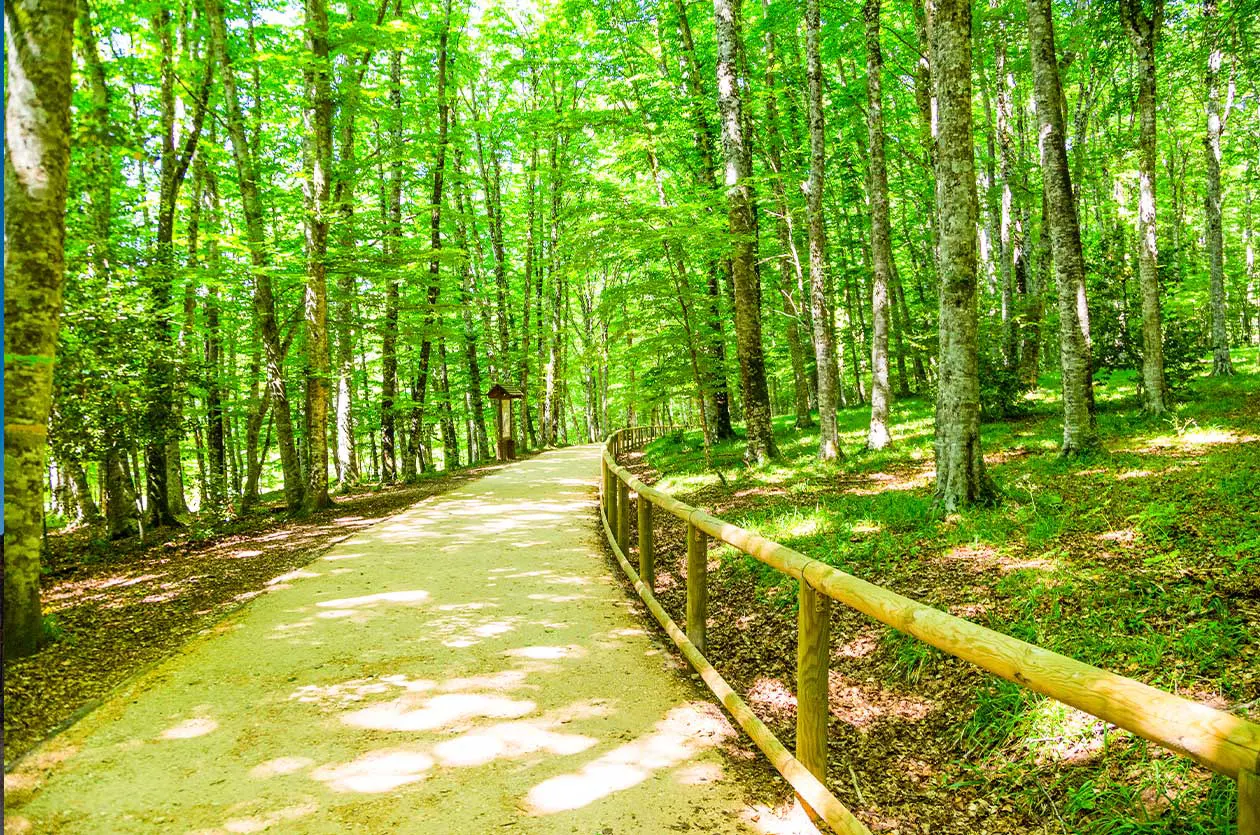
(39, 51)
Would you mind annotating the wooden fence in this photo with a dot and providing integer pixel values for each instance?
(1226, 744)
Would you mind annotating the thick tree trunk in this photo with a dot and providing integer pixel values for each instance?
(1144, 32)
(1079, 435)
(820, 309)
(264, 300)
(319, 210)
(960, 473)
(1221, 364)
(881, 236)
(39, 52)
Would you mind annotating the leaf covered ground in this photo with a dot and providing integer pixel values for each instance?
(113, 608)
(1143, 559)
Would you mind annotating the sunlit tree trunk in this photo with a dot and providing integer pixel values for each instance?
(960, 472)
(752, 364)
(820, 309)
(1221, 364)
(318, 211)
(1079, 435)
(38, 53)
(1144, 32)
(881, 235)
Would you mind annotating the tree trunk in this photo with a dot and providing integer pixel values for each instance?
(1144, 32)
(264, 299)
(480, 447)
(392, 209)
(717, 400)
(752, 365)
(960, 473)
(1222, 366)
(435, 233)
(162, 411)
(1079, 435)
(319, 206)
(37, 152)
(881, 236)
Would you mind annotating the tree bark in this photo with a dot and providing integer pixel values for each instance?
(318, 212)
(820, 309)
(1222, 366)
(752, 365)
(1079, 435)
(162, 411)
(960, 472)
(392, 209)
(39, 52)
(1144, 32)
(435, 230)
(881, 236)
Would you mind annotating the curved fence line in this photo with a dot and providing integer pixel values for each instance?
(1228, 745)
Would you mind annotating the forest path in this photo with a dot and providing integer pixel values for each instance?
(469, 665)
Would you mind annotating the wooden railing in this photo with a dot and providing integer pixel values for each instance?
(1226, 744)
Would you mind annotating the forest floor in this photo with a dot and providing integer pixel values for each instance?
(113, 608)
(1143, 559)
(468, 665)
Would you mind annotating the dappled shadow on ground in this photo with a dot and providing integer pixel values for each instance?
(115, 607)
(424, 675)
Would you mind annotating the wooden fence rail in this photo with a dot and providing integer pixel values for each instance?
(1226, 744)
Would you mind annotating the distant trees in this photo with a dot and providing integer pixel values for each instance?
(275, 282)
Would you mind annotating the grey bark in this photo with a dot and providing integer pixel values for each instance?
(961, 478)
(1079, 435)
(738, 170)
(878, 437)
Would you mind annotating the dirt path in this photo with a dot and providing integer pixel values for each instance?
(466, 666)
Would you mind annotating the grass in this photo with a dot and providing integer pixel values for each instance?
(1143, 558)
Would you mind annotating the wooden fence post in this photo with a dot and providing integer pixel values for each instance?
(813, 646)
(697, 585)
(612, 502)
(647, 546)
(1249, 802)
(623, 516)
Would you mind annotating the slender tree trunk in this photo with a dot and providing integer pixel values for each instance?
(717, 399)
(392, 208)
(881, 236)
(960, 473)
(820, 310)
(39, 52)
(162, 411)
(1144, 32)
(480, 446)
(319, 210)
(435, 231)
(264, 299)
(1222, 366)
(119, 499)
(1079, 435)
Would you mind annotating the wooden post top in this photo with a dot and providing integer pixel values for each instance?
(505, 391)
